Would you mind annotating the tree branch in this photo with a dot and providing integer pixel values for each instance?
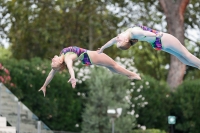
(163, 4)
(168, 5)
(183, 5)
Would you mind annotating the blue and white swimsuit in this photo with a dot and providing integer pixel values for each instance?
(157, 44)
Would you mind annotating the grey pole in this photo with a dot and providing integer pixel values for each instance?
(113, 125)
(18, 116)
(39, 126)
(171, 128)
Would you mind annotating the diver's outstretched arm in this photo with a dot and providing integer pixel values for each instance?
(108, 44)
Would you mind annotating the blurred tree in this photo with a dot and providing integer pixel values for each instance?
(106, 91)
(175, 26)
(43, 28)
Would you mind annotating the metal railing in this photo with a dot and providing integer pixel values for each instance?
(18, 115)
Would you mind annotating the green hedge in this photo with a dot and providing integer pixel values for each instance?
(151, 102)
(61, 108)
(28, 76)
(184, 103)
(149, 131)
(186, 107)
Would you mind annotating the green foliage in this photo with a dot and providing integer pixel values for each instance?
(151, 101)
(106, 91)
(186, 107)
(192, 74)
(148, 131)
(61, 108)
(191, 16)
(153, 17)
(5, 53)
(43, 28)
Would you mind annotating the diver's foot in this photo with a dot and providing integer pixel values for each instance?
(135, 76)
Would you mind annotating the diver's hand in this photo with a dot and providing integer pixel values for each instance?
(73, 82)
(100, 50)
(43, 89)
